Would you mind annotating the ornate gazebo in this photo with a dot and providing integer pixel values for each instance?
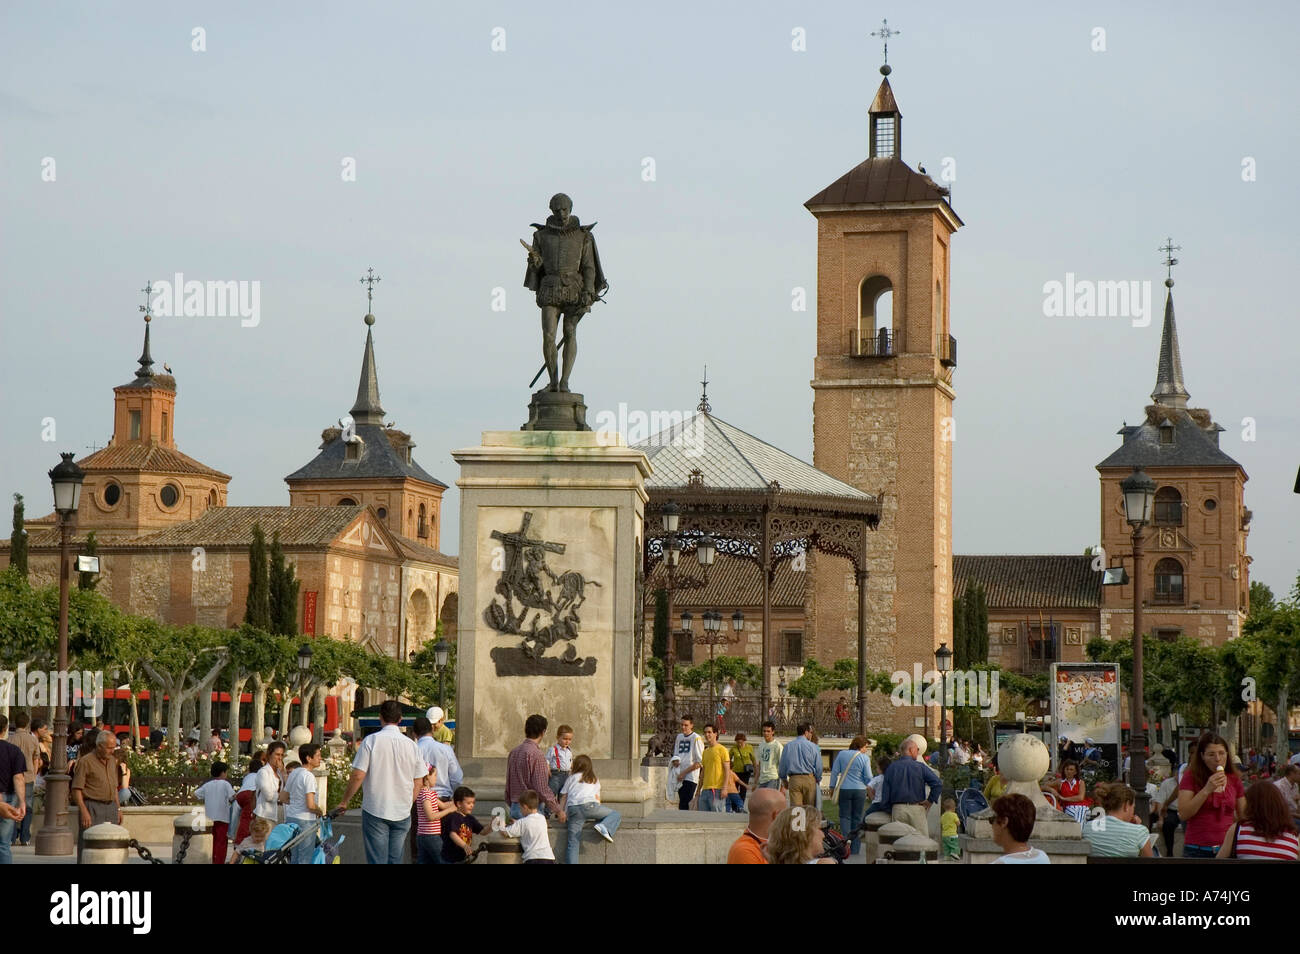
(755, 502)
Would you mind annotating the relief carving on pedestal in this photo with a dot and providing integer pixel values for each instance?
(534, 602)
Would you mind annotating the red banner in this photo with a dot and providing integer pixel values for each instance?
(309, 613)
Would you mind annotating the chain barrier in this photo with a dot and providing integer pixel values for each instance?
(143, 852)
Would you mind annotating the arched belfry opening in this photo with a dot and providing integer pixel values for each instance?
(875, 335)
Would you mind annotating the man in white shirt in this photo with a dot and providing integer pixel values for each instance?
(392, 771)
(269, 796)
(688, 748)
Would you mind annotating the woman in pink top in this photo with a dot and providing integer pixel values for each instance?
(1210, 797)
(1266, 832)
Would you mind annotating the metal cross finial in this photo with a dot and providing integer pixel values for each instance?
(148, 293)
(369, 282)
(1169, 248)
(885, 33)
(704, 405)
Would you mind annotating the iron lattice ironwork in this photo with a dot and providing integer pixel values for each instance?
(764, 527)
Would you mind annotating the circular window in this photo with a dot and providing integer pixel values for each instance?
(383, 513)
(1211, 504)
(169, 495)
(112, 494)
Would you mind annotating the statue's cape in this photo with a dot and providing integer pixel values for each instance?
(601, 284)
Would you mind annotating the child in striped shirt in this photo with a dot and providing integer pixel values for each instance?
(428, 832)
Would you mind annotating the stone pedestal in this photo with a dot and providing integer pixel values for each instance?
(550, 543)
(556, 411)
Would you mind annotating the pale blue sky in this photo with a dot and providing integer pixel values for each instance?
(225, 165)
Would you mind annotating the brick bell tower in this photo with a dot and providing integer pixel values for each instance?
(882, 403)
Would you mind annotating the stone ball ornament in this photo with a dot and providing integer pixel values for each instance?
(1023, 758)
(299, 735)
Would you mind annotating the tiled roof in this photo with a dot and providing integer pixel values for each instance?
(734, 582)
(379, 459)
(732, 459)
(879, 180)
(415, 550)
(150, 458)
(1192, 446)
(233, 526)
(1030, 582)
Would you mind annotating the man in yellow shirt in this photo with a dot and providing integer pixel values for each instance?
(714, 767)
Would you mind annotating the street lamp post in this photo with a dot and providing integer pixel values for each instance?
(781, 688)
(943, 660)
(55, 836)
(1139, 492)
(705, 551)
(441, 653)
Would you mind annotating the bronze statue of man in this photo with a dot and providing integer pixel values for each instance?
(564, 270)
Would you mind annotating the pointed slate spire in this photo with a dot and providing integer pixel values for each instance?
(367, 409)
(146, 360)
(1170, 390)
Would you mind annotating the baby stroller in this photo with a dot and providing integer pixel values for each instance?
(834, 844)
(970, 801)
(285, 837)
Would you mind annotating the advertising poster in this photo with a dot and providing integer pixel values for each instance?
(1086, 706)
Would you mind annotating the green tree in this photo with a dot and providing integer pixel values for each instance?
(18, 539)
(183, 660)
(1277, 666)
(842, 676)
(960, 656)
(88, 581)
(282, 591)
(1261, 597)
(977, 626)
(257, 607)
(745, 673)
(659, 640)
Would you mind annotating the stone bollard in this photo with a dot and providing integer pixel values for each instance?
(106, 844)
(871, 836)
(890, 833)
(910, 849)
(198, 829)
(505, 851)
(322, 785)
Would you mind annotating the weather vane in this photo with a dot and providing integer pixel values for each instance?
(704, 405)
(148, 293)
(369, 281)
(1169, 248)
(885, 33)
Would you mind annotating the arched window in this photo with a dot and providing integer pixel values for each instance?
(347, 502)
(1169, 508)
(876, 317)
(422, 528)
(1169, 581)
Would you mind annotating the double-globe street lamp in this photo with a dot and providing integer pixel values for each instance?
(1139, 493)
(55, 837)
(705, 551)
(943, 662)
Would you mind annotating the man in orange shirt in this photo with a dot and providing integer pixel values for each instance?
(764, 805)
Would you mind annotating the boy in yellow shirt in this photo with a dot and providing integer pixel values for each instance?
(948, 825)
